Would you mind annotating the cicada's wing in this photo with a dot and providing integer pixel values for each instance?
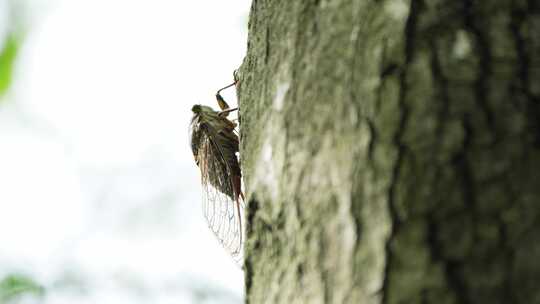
(222, 206)
(194, 137)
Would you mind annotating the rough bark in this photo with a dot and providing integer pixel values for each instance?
(391, 151)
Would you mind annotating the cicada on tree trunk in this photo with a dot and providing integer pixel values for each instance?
(215, 145)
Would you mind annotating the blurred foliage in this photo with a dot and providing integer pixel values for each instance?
(14, 286)
(7, 58)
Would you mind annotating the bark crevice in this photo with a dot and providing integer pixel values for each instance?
(396, 221)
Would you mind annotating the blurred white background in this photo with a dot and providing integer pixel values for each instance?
(99, 195)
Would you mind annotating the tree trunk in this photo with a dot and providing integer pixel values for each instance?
(391, 151)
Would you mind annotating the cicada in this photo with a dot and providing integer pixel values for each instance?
(215, 144)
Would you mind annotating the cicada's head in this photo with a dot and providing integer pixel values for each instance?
(202, 113)
(196, 109)
(200, 109)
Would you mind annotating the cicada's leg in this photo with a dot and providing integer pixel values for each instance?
(235, 75)
(223, 105)
(226, 112)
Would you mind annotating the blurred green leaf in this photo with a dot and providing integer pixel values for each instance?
(13, 286)
(7, 58)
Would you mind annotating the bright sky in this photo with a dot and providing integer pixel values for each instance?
(98, 188)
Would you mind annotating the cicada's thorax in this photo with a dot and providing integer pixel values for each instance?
(216, 121)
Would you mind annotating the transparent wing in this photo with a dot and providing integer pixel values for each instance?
(222, 207)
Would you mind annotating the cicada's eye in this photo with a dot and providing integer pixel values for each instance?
(196, 109)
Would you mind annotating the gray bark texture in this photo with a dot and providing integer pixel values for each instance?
(391, 151)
